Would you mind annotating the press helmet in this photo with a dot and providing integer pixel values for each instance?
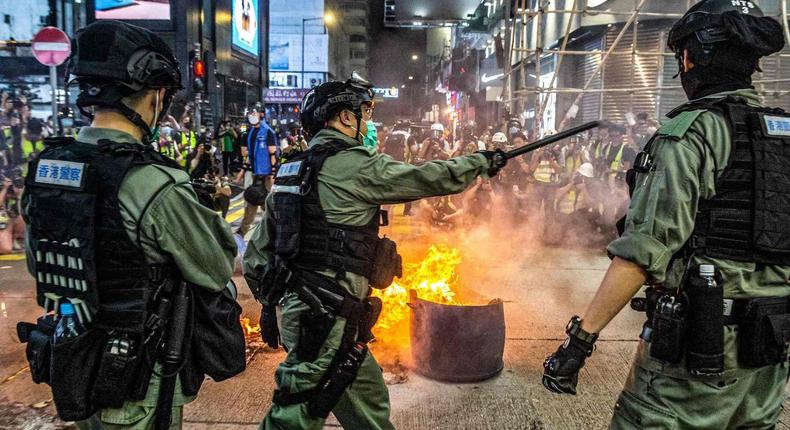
(738, 27)
(587, 170)
(323, 102)
(499, 137)
(112, 60)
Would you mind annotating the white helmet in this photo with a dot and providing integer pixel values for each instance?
(586, 170)
(437, 127)
(499, 138)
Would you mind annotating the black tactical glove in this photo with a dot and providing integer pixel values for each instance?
(270, 332)
(497, 159)
(561, 369)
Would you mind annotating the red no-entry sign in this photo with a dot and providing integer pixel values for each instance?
(51, 46)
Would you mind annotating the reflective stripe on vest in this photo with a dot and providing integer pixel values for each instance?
(617, 162)
(29, 147)
(544, 172)
(192, 140)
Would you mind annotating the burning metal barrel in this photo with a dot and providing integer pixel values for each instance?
(457, 343)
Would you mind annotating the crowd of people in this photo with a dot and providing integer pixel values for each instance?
(573, 192)
(21, 138)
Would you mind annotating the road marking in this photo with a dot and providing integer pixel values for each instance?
(12, 257)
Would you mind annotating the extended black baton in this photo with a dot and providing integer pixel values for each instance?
(548, 140)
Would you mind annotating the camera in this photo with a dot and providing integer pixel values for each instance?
(204, 185)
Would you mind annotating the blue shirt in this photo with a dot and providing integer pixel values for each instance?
(259, 139)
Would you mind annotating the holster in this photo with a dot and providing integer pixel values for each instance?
(387, 264)
(38, 337)
(764, 332)
(668, 324)
(327, 302)
(119, 370)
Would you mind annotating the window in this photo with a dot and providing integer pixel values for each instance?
(357, 38)
(358, 54)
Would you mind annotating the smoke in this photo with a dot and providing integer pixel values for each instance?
(498, 232)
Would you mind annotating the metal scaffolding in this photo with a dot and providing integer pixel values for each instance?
(528, 54)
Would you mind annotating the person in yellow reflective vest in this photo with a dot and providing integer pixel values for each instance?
(189, 139)
(6, 146)
(620, 156)
(545, 184)
(32, 139)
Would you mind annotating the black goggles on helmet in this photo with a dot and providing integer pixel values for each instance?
(707, 27)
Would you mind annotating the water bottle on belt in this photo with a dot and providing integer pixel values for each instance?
(68, 327)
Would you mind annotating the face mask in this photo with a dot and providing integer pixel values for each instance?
(155, 134)
(371, 138)
(253, 119)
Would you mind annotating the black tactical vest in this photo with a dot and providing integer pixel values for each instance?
(304, 239)
(748, 219)
(82, 249)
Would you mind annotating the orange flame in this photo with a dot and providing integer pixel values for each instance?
(249, 329)
(433, 279)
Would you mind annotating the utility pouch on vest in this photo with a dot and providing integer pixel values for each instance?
(118, 370)
(705, 339)
(764, 332)
(39, 346)
(75, 364)
(387, 264)
(669, 328)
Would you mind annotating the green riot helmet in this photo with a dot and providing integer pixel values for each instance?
(737, 26)
(112, 60)
(326, 100)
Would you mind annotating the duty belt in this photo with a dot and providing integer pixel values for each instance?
(734, 309)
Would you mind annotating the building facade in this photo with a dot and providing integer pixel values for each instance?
(229, 36)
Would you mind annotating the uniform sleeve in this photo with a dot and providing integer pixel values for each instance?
(198, 239)
(661, 214)
(384, 180)
(260, 249)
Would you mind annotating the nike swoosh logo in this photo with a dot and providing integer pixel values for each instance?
(485, 78)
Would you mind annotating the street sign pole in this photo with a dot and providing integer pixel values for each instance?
(53, 80)
(51, 47)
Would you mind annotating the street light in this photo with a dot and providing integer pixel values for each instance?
(411, 78)
(328, 19)
(415, 57)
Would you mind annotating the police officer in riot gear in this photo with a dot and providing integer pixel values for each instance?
(317, 254)
(706, 191)
(116, 232)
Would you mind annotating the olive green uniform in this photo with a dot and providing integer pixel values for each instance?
(660, 220)
(176, 228)
(351, 186)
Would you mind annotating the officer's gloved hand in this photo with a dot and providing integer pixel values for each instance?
(496, 161)
(561, 369)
